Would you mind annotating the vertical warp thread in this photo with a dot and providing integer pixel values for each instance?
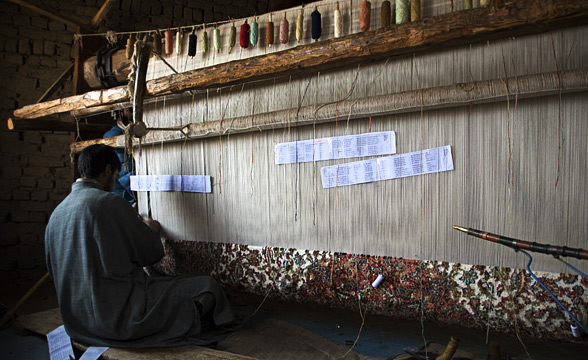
(284, 30)
(300, 25)
(232, 37)
(179, 41)
(316, 24)
(468, 4)
(338, 22)
(270, 32)
(415, 10)
(365, 13)
(204, 41)
(169, 43)
(401, 11)
(244, 36)
(254, 33)
(385, 14)
(130, 46)
(216, 38)
(192, 44)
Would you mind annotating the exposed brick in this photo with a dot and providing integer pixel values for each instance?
(40, 22)
(45, 184)
(35, 171)
(28, 181)
(63, 184)
(8, 259)
(39, 196)
(51, 161)
(8, 31)
(6, 240)
(24, 46)
(49, 47)
(49, 62)
(11, 172)
(32, 274)
(59, 138)
(19, 216)
(64, 174)
(20, 148)
(29, 239)
(26, 262)
(65, 38)
(125, 5)
(14, 59)
(56, 26)
(32, 137)
(38, 47)
(20, 195)
(11, 46)
(38, 217)
(10, 229)
(33, 60)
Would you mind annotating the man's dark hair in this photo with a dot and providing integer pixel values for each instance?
(93, 160)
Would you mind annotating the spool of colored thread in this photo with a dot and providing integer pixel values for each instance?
(232, 37)
(204, 41)
(254, 33)
(338, 22)
(316, 24)
(365, 13)
(244, 36)
(179, 36)
(385, 14)
(270, 32)
(401, 11)
(468, 4)
(300, 25)
(192, 44)
(130, 46)
(378, 280)
(415, 10)
(284, 30)
(484, 3)
(169, 43)
(157, 42)
(216, 38)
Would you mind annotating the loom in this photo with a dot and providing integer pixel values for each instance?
(511, 109)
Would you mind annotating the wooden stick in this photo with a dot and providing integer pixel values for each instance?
(8, 315)
(57, 83)
(478, 92)
(101, 14)
(516, 18)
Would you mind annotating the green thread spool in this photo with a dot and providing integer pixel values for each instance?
(204, 41)
(468, 4)
(232, 37)
(254, 33)
(216, 38)
(385, 14)
(401, 11)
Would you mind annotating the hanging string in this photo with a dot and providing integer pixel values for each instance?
(192, 43)
(300, 25)
(179, 36)
(232, 37)
(270, 32)
(338, 22)
(365, 13)
(284, 30)
(216, 38)
(254, 33)
(169, 44)
(316, 24)
(130, 46)
(111, 37)
(559, 126)
(401, 11)
(244, 36)
(467, 4)
(415, 10)
(385, 14)
(204, 41)
(157, 42)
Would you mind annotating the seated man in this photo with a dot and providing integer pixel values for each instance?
(96, 246)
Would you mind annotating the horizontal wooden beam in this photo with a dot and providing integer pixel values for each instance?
(464, 94)
(101, 14)
(53, 124)
(514, 18)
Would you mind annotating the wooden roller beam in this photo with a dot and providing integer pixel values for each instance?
(478, 92)
(514, 18)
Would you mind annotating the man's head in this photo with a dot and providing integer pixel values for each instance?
(99, 162)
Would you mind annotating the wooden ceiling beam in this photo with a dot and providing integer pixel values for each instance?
(101, 14)
(515, 18)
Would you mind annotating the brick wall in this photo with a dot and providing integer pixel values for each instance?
(34, 49)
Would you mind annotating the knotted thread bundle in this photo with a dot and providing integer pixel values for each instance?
(157, 43)
(254, 33)
(216, 38)
(385, 14)
(401, 11)
(244, 36)
(179, 41)
(484, 3)
(130, 46)
(316, 28)
(284, 30)
(270, 32)
(204, 41)
(415, 10)
(365, 14)
(232, 37)
(192, 44)
(338, 20)
(169, 43)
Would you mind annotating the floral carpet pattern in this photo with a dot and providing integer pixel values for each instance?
(500, 299)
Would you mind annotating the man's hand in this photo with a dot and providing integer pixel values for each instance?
(154, 224)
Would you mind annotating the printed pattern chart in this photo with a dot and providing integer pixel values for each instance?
(186, 183)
